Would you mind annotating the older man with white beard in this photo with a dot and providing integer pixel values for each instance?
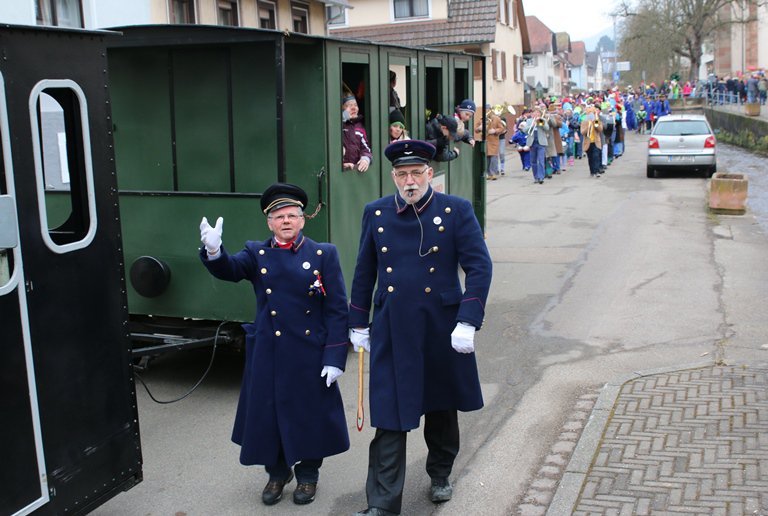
(421, 338)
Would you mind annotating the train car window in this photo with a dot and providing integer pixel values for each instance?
(9, 226)
(182, 11)
(8, 230)
(400, 86)
(461, 89)
(63, 169)
(355, 80)
(433, 100)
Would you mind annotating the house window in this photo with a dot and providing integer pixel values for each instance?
(411, 8)
(300, 15)
(60, 13)
(267, 15)
(227, 12)
(336, 15)
(182, 11)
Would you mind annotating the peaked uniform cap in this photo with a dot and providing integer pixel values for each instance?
(280, 195)
(410, 152)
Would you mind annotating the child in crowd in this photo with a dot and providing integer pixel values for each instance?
(525, 152)
(641, 115)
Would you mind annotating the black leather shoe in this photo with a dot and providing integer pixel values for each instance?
(305, 493)
(273, 491)
(375, 511)
(441, 490)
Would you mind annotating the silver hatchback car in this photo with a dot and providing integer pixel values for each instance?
(682, 143)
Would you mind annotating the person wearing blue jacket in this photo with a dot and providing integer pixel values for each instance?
(290, 410)
(519, 139)
(421, 337)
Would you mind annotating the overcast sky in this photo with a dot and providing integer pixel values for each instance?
(580, 19)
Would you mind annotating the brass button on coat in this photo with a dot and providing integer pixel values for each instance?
(319, 252)
(448, 210)
(273, 313)
(435, 249)
(269, 291)
(316, 272)
(431, 270)
(427, 290)
(390, 288)
(441, 229)
(277, 333)
(307, 332)
(263, 270)
(384, 249)
(381, 230)
(261, 251)
(389, 269)
(377, 212)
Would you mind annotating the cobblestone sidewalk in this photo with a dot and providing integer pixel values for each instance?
(692, 441)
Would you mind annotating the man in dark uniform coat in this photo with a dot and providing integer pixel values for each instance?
(290, 409)
(421, 339)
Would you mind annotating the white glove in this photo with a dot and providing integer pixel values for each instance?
(211, 236)
(331, 374)
(360, 338)
(463, 338)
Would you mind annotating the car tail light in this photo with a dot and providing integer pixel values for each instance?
(709, 143)
(653, 143)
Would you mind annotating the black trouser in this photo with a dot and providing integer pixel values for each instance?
(386, 458)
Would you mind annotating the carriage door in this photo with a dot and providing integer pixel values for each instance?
(22, 477)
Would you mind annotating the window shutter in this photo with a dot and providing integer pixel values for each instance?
(477, 68)
(503, 66)
(513, 8)
(509, 14)
(493, 63)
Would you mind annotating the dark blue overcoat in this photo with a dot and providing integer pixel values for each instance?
(298, 330)
(417, 303)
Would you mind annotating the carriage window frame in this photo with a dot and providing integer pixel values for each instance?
(12, 254)
(86, 173)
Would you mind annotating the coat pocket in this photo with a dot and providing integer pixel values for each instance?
(379, 296)
(451, 297)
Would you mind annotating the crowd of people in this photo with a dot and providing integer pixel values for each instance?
(555, 132)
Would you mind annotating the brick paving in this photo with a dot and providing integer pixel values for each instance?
(683, 442)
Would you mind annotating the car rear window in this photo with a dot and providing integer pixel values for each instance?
(681, 128)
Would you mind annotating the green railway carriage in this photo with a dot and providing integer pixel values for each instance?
(205, 118)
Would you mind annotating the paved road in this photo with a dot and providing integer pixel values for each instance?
(593, 279)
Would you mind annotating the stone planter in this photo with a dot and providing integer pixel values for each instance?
(752, 109)
(728, 193)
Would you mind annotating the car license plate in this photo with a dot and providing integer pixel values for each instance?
(681, 159)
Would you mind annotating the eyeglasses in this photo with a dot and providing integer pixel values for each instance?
(416, 174)
(291, 217)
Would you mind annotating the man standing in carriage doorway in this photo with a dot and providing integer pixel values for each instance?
(421, 339)
(356, 151)
(290, 415)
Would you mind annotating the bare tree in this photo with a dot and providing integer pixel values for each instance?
(685, 25)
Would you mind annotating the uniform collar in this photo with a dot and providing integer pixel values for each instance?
(420, 206)
(294, 246)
